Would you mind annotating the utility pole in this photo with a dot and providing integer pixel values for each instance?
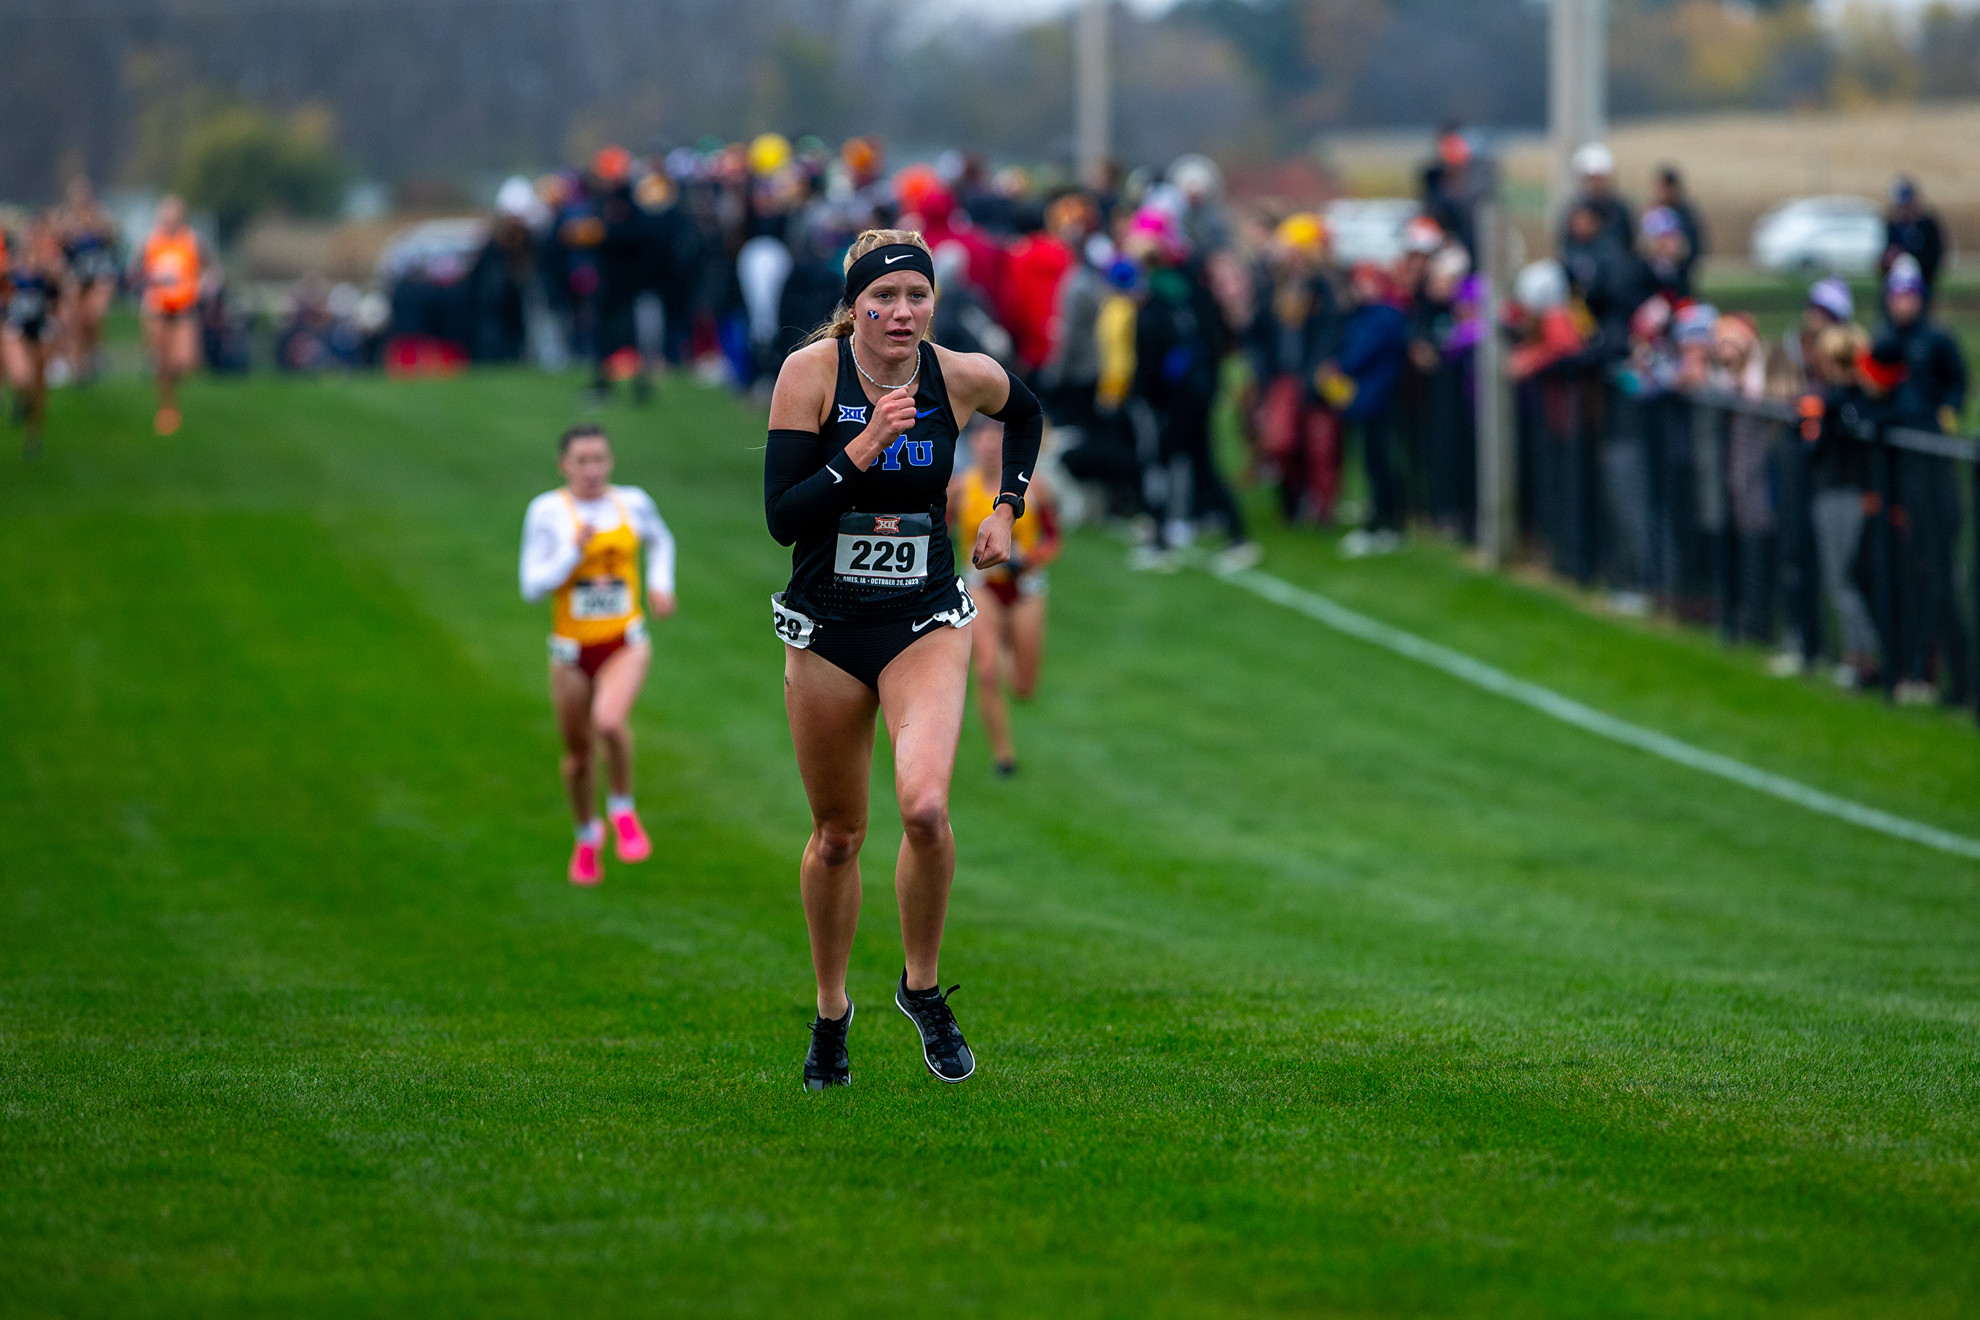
(1577, 112)
(1498, 449)
(1093, 98)
(1577, 91)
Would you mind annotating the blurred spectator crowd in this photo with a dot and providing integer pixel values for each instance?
(1669, 452)
(1798, 488)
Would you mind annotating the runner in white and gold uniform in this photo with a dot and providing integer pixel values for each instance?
(581, 547)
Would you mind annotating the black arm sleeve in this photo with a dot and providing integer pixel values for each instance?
(1024, 431)
(799, 493)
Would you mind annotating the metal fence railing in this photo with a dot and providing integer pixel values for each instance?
(1705, 506)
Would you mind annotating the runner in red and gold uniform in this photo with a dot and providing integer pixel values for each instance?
(1008, 640)
(582, 547)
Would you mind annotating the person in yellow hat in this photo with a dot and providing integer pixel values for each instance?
(768, 153)
(1298, 433)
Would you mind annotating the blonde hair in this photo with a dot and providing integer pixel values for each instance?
(840, 326)
(1841, 345)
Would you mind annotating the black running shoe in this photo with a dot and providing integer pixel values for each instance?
(943, 1048)
(826, 1063)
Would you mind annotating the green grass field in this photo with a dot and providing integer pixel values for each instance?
(1304, 980)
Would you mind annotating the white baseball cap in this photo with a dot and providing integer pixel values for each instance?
(1541, 287)
(1593, 159)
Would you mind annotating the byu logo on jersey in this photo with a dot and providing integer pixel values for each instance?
(920, 453)
(847, 413)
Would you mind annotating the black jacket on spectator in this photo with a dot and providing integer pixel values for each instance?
(621, 255)
(1935, 372)
(495, 284)
(1178, 342)
(1614, 282)
(674, 258)
(1278, 347)
(1921, 236)
(1618, 222)
(1451, 199)
(811, 295)
(1694, 236)
(1838, 460)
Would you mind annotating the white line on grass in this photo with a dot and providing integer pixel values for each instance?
(1568, 711)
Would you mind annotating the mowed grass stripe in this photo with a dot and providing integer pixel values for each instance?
(1681, 681)
(1552, 704)
(1306, 980)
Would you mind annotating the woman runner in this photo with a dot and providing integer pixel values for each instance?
(89, 240)
(581, 547)
(863, 429)
(168, 272)
(1009, 633)
(34, 286)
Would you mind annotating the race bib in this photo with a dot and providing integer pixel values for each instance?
(601, 598)
(794, 628)
(884, 547)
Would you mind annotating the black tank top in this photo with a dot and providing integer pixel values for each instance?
(890, 556)
(32, 300)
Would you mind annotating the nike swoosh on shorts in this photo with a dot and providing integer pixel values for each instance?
(917, 627)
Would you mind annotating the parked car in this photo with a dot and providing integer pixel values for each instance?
(1369, 228)
(1841, 234)
(438, 251)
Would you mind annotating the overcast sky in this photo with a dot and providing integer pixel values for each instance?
(1911, 9)
(1031, 9)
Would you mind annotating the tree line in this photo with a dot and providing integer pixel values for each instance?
(410, 90)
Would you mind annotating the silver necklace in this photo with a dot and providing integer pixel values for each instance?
(879, 385)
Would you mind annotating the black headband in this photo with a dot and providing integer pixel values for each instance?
(889, 260)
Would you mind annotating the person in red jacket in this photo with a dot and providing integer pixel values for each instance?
(929, 205)
(1037, 265)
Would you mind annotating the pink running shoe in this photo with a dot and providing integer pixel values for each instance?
(585, 867)
(629, 838)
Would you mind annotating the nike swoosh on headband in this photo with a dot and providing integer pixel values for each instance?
(888, 261)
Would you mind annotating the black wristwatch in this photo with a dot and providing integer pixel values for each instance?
(1015, 501)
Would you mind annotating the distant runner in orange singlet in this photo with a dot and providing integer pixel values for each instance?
(169, 273)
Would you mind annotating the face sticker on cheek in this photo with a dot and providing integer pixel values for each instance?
(872, 315)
